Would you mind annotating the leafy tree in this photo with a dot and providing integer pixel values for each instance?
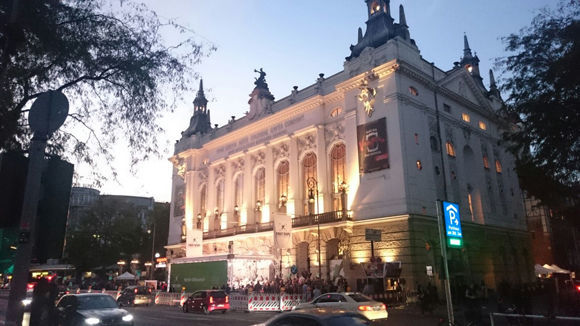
(108, 57)
(109, 230)
(543, 85)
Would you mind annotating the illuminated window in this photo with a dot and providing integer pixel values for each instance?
(419, 165)
(336, 112)
(469, 68)
(375, 7)
(498, 168)
(219, 201)
(413, 91)
(283, 180)
(465, 117)
(338, 164)
(309, 171)
(485, 162)
(482, 125)
(470, 203)
(450, 149)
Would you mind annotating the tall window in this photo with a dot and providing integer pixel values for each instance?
(283, 177)
(338, 163)
(238, 195)
(485, 162)
(309, 171)
(498, 167)
(260, 191)
(450, 148)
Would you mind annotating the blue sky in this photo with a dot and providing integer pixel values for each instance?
(294, 41)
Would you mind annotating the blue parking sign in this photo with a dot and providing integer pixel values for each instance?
(452, 220)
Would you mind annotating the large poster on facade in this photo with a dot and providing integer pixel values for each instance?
(179, 209)
(194, 243)
(373, 154)
(199, 276)
(282, 231)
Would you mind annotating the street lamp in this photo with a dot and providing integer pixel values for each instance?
(313, 185)
(343, 187)
(150, 273)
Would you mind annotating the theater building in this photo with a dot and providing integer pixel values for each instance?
(370, 147)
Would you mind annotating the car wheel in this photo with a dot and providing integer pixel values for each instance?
(205, 311)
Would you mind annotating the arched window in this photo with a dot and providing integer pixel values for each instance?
(434, 144)
(260, 191)
(309, 171)
(283, 177)
(450, 148)
(238, 195)
(485, 162)
(338, 167)
(498, 167)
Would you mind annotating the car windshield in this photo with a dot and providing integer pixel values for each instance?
(347, 321)
(359, 297)
(96, 302)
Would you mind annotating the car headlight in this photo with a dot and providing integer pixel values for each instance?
(26, 302)
(92, 321)
(128, 317)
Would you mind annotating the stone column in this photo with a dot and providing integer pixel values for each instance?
(294, 204)
(324, 197)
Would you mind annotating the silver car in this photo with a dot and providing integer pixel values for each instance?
(349, 301)
(317, 317)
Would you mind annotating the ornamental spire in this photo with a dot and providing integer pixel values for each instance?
(466, 49)
(200, 102)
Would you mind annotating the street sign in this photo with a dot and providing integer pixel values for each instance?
(452, 224)
(372, 235)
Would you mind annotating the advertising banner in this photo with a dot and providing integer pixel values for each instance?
(199, 276)
(282, 231)
(194, 243)
(373, 152)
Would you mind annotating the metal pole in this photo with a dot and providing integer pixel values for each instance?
(443, 246)
(152, 252)
(372, 249)
(27, 226)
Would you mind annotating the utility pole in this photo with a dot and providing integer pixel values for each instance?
(47, 114)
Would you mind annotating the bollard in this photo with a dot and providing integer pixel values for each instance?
(182, 300)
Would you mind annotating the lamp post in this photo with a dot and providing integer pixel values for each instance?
(312, 186)
(343, 188)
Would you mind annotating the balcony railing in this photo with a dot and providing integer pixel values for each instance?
(298, 221)
(328, 217)
(248, 228)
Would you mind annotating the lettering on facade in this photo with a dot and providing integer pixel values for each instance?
(261, 137)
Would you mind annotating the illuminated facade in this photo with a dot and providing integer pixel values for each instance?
(373, 146)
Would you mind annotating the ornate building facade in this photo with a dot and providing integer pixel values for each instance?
(370, 147)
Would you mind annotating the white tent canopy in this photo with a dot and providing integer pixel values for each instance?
(558, 269)
(126, 277)
(539, 269)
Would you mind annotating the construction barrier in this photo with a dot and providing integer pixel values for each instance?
(238, 301)
(156, 301)
(264, 302)
(117, 295)
(182, 299)
(289, 301)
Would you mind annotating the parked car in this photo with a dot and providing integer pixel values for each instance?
(349, 301)
(135, 295)
(91, 309)
(207, 301)
(317, 317)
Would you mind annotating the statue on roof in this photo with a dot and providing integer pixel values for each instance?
(261, 81)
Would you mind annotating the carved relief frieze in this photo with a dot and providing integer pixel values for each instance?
(334, 132)
(220, 171)
(280, 152)
(238, 165)
(306, 143)
(258, 159)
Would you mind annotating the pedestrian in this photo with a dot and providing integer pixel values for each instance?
(316, 293)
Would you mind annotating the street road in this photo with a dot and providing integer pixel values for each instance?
(164, 315)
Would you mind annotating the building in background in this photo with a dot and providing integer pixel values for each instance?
(81, 198)
(292, 186)
(52, 207)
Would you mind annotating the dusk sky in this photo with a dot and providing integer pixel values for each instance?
(294, 41)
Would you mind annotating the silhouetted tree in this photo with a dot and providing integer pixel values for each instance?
(542, 81)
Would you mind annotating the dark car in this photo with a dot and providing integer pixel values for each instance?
(91, 309)
(135, 295)
(318, 317)
(207, 301)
